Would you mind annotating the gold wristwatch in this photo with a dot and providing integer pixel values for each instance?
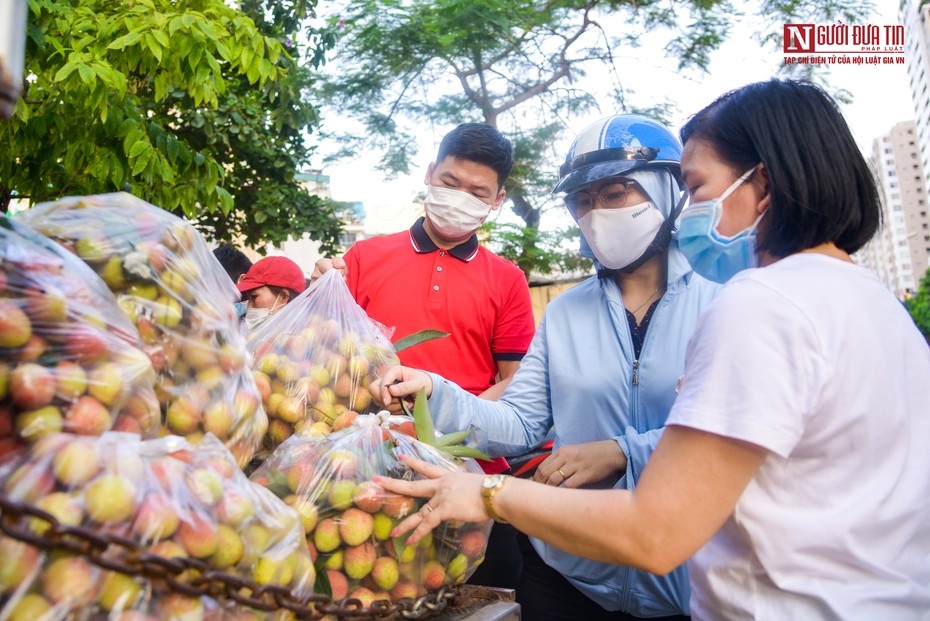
(492, 484)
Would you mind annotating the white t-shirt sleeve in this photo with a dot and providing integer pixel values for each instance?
(753, 369)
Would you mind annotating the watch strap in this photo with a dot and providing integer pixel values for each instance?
(487, 494)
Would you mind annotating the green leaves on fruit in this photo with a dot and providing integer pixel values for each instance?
(451, 444)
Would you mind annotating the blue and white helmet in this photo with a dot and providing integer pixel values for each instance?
(615, 145)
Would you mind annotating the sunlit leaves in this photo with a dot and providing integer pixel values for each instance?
(186, 103)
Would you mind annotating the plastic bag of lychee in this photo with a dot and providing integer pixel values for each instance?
(313, 361)
(69, 357)
(348, 518)
(159, 500)
(180, 299)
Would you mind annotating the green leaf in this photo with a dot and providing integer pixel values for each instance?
(161, 37)
(132, 137)
(64, 72)
(126, 40)
(465, 451)
(223, 50)
(175, 24)
(448, 439)
(153, 46)
(138, 148)
(86, 73)
(141, 163)
(418, 337)
(277, 483)
(400, 544)
(173, 148)
(322, 577)
(422, 420)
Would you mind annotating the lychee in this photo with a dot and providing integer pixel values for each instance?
(355, 526)
(70, 579)
(359, 560)
(433, 575)
(229, 548)
(110, 498)
(338, 583)
(156, 518)
(76, 463)
(385, 572)
(472, 543)
(326, 536)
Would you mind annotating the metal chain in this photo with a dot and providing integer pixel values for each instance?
(124, 555)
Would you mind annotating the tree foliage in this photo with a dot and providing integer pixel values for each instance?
(189, 104)
(519, 65)
(919, 306)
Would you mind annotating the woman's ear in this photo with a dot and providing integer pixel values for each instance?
(761, 182)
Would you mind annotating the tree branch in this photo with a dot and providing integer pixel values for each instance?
(563, 70)
(400, 97)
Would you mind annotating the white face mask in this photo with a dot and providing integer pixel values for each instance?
(454, 214)
(620, 236)
(255, 316)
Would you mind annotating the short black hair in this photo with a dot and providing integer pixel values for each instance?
(821, 187)
(233, 261)
(478, 142)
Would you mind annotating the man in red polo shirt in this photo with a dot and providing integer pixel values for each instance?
(437, 276)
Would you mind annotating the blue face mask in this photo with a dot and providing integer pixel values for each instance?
(712, 255)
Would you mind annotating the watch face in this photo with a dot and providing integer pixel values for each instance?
(492, 481)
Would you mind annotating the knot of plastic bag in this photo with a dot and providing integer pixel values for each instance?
(378, 419)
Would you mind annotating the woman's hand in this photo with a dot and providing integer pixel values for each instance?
(451, 496)
(396, 383)
(579, 464)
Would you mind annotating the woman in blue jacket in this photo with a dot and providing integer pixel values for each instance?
(603, 366)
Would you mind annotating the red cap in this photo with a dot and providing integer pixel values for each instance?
(274, 271)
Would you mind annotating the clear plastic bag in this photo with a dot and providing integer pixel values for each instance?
(172, 500)
(180, 299)
(313, 361)
(69, 358)
(348, 518)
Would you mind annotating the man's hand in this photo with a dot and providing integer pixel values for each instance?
(324, 265)
(579, 464)
(395, 384)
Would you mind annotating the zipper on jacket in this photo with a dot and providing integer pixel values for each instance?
(636, 372)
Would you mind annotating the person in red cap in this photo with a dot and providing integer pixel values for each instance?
(268, 286)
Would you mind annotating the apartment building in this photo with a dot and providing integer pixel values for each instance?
(900, 252)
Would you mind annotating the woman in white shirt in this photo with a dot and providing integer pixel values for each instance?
(794, 471)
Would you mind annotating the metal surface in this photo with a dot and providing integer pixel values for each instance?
(478, 603)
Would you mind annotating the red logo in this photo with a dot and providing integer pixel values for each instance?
(799, 38)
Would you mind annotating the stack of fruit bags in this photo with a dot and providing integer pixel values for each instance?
(69, 358)
(348, 518)
(180, 299)
(172, 500)
(313, 361)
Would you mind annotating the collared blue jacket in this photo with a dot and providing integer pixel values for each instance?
(580, 376)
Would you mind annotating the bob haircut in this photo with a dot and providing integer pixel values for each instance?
(821, 188)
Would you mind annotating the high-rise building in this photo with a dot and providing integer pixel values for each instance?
(915, 16)
(900, 252)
